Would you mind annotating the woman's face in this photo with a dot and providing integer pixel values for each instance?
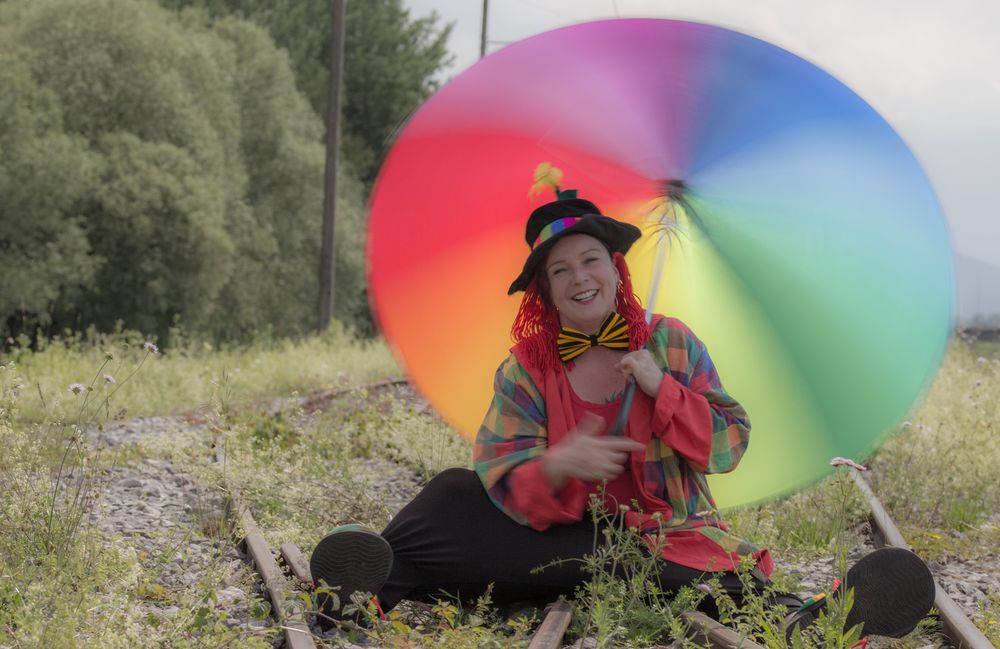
(583, 281)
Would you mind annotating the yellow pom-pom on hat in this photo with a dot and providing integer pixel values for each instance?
(546, 177)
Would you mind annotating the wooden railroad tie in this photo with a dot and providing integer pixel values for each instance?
(550, 633)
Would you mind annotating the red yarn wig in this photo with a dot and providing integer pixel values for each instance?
(536, 327)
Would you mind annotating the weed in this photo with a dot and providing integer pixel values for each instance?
(989, 617)
(449, 625)
(623, 603)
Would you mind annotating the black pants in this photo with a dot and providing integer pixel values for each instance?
(452, 539)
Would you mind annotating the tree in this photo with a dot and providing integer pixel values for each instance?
(44, 251)
(274, 282)
(152, 108)
(188, 177)
(390, 63)
(391, 60)
(390, 68)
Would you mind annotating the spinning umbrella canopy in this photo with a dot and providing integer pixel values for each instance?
(811, 254)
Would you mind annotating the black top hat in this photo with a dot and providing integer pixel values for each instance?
(548, 223)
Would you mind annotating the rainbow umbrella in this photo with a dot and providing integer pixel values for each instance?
(812, 257)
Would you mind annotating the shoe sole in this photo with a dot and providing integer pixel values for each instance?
(893, 591)
(350, 561)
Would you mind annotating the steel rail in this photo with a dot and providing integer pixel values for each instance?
(296, 563)
(325, 396)
(297, 633)
(955, 623)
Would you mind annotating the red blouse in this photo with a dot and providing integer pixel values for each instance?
(618, 490)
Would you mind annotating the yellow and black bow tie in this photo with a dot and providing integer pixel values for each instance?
(613, 334)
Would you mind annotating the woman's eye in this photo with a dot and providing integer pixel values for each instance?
(557, 271)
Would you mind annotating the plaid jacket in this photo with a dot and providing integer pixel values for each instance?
(692, 428)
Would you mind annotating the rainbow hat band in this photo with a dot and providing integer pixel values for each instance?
(564, 216)
(554, 228)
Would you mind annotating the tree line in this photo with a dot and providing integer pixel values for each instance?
(162, 164)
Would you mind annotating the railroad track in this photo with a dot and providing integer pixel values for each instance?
(293, 621)
(294, 625)
(955, 624)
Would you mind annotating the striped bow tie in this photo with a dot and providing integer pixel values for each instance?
(613, 334)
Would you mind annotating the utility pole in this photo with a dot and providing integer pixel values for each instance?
(327, 254)
(482, 35)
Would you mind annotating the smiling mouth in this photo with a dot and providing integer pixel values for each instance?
(586, 295)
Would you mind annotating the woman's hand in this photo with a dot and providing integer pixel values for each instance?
(586, 456)
(640, 367)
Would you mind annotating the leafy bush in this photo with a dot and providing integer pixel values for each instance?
(160, 167)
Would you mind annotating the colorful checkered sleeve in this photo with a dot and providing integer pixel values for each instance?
(512, 433)
(685, 359)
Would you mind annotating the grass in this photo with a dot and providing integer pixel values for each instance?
(989, 614)
(63, 585)
(938, 477)
(182, 378)
(988, 349)
(332, 466)
(936, 474)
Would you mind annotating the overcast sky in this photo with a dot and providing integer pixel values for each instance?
(931, 68)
